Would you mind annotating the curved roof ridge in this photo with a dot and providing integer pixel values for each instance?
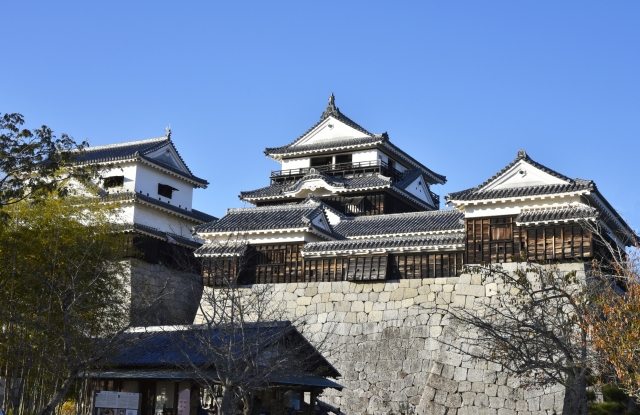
(292, 206)
(128, 143)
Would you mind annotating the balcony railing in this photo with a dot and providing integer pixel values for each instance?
(341, 169)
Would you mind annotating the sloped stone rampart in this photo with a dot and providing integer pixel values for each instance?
(166, 296)
(383, 338)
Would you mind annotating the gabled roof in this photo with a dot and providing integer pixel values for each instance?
(194, 214)
(141, 149)
(361, 139)
(276, 218)
(437, 221)
(395, 244)
(515, 192)
(563, 185)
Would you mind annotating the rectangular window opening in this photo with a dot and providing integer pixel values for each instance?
(113, 181)
(166, 190)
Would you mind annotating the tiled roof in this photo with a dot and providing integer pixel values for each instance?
(167, 236)
(222, 249)
(193, 213)
(170, 347)
(558, 214)
(136, 149)
(401, 223)
(268, 217)
(477, 193)
(374, 181)
(474, 194)
(386, 244)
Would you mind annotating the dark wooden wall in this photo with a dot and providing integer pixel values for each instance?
(499, 239)
(436, 265)
(283, 263)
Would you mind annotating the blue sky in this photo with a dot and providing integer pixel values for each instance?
(460, 85)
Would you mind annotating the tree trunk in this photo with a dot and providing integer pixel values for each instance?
(60, 393)
(229, 405)
(575, 396)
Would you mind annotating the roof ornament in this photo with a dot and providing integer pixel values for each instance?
(331, 108)
(522, 154)
(167, 130)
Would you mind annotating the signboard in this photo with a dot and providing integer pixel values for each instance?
(116, 403)
(184, 402)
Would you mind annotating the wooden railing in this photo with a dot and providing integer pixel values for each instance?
(375, 166)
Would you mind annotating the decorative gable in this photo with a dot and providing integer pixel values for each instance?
(329, 129)
(169, 156)
(419, 189)
(522, 174)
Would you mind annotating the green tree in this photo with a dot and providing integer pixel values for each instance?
(62, 285)
(36, 161)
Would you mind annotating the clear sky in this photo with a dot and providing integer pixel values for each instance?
(459, 85)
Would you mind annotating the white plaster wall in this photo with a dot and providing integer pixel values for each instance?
(384, 157)
(146, 215)
(147, 179)
(365, 155)
(128, 170)
(295, 163)
(419, 190)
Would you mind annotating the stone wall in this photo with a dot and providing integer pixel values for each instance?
(383, 338)
(165, 296)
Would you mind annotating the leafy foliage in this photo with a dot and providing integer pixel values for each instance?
(32, 161)
(61, 285)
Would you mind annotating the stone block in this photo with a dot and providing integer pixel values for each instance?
(335, 296)
(435, 331)
(474, 290)
(441, 397)
(464, 386)
(440, 383)
(460, 374)
(375, 316)
(481, 400)
(475, 375)
(454, 400)
(304, 300)
(546, 402)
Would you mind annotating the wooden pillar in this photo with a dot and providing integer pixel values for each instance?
(312, 401)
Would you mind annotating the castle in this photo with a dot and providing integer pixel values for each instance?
(351, 235)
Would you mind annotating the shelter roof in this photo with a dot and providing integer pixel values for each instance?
(395, 244)
(570, 213)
